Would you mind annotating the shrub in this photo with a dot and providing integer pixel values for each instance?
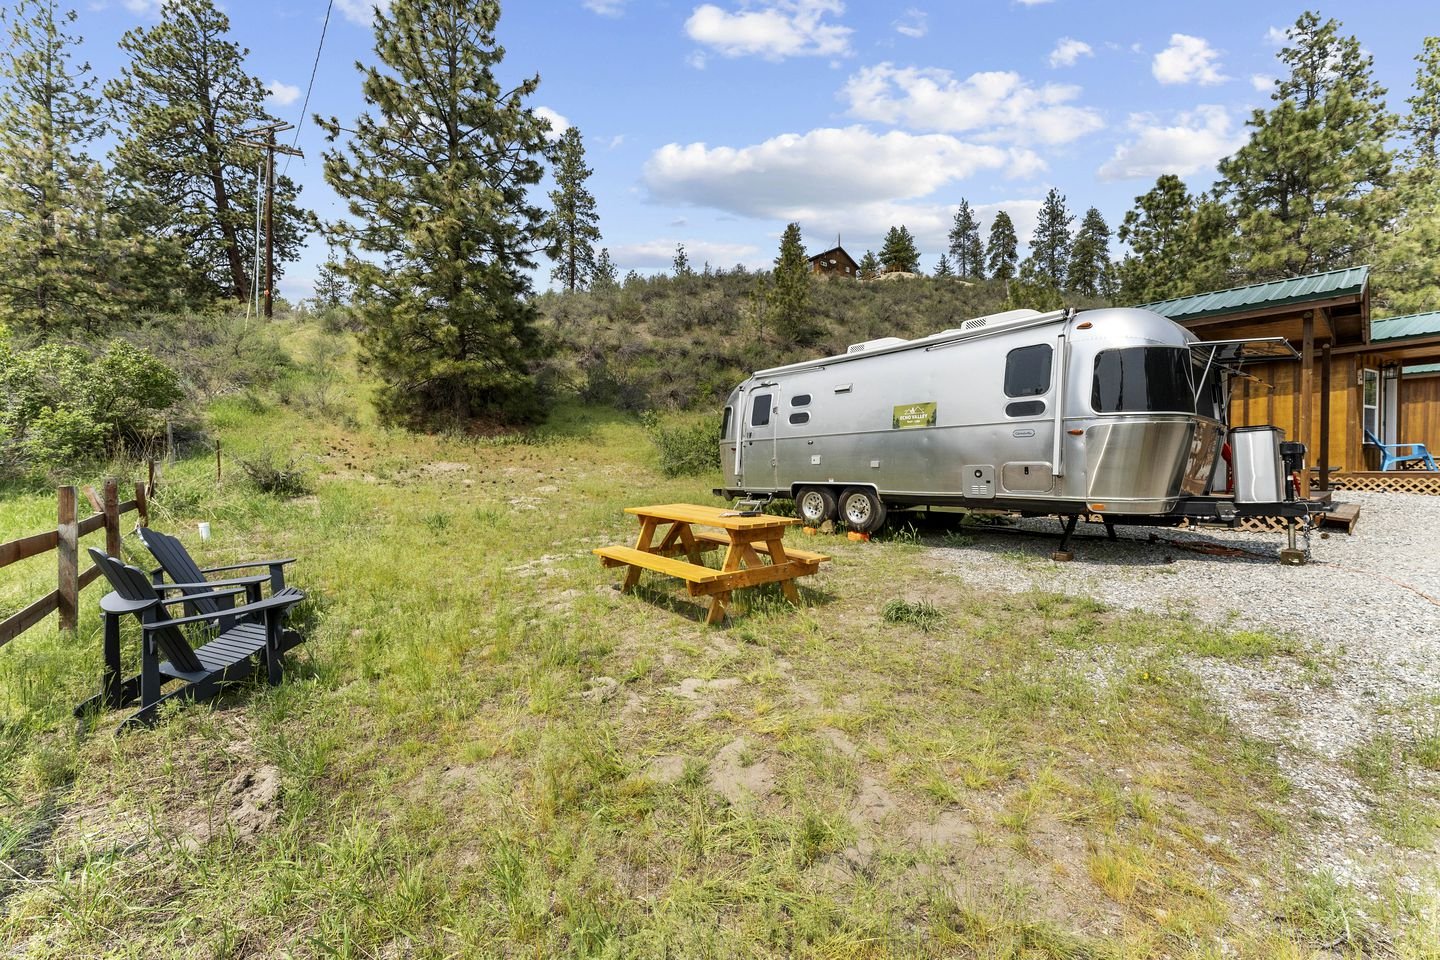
(270, 475)
(688, 449)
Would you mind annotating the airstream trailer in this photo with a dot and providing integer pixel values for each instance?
(1116, 412)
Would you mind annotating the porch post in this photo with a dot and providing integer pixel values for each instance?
(1324, 461)
(1307, 390)
(1399, 403)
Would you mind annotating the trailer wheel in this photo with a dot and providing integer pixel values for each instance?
(862, 510)
(815, 505)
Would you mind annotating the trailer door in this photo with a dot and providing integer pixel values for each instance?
(756, 452)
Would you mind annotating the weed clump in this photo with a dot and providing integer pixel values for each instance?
(685, 450)
(280, 478)
(918, 613)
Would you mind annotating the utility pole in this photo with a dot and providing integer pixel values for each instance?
(268, 131)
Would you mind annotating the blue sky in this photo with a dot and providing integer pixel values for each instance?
(713, 124)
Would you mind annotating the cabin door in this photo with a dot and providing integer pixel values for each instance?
(755, 469)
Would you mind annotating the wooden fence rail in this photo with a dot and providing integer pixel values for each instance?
(65, 541)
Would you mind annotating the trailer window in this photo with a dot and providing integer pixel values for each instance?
(799, 418)
(1025, 408)
(760, 410)
(1134, 379)
(800, 400)
(1027, 371)
(725, 424)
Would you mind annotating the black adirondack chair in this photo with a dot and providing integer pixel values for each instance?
(177, 564)
(256, 637)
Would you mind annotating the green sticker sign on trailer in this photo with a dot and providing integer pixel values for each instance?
(909, 415)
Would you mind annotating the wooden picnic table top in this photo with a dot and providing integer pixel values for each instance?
(711, 516)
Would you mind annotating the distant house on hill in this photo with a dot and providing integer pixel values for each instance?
(835, 262)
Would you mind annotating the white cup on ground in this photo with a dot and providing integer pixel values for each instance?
(204, 531)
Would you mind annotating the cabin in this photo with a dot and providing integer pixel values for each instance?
(1356, 374)
(834, 262)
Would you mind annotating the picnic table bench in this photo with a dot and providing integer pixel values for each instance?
(746, 540)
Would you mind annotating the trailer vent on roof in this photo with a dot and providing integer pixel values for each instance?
(993, 320)
(875, 344)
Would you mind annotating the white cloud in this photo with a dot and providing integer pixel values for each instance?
(606, 8)
(913, 24)
(1188, 60)
(696, 60)
(281, 94)
(660, 254)
(361, 11)
(558, 123)
(1262, 83)
(1277, 36)
(1194, 142)
(615, 141)
(791, 176)
(1031, 3)
(146, 8)
(1069, 50)
(774, 30)
(996, 105)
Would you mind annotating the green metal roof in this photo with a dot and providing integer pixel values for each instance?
(1276, 293)
(1412, 325)
(1422, 368)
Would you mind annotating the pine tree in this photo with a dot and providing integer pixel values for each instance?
(1408, 269)
(869, 266)
(942, 268)
(605, 274)
(573, 221)
(331, 288)
(183, 102)
(1002, 254)
(790, 292)
(437, 180)
(1310, 190)
(52, 206)
(1155, 231)
(1050, 244)
(1089, 255)
(965, 245)
(898, 253)
(680, 266)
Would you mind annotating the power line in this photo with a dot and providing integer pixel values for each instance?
(311, 86)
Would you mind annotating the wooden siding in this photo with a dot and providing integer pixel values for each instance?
(1420, 411)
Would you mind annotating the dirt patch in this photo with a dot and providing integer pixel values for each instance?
(736, 780)
(693, 688)
(248, 804)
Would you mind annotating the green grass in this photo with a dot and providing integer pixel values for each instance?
(972, 774)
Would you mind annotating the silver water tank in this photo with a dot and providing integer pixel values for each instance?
(1259, 472)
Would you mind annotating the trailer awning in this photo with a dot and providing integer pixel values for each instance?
(1248, 350)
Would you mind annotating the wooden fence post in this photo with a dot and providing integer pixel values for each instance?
(112, 516)
(142, 506)
(150, 481)
(68, 549)
(217, 461)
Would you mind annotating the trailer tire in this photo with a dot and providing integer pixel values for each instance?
(815, 505)
(862, 510)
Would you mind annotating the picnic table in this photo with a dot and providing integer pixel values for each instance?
(746, 540)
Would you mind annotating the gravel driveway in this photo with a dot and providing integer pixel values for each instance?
(1369, 604)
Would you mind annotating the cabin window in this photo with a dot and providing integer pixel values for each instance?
(1143, 379)
(1025, 408)
(799, 418)
(800, 400)
(725, 424)
(1370, 401)
(760, 410)
(1027, 371)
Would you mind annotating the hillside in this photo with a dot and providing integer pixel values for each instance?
(685, 342)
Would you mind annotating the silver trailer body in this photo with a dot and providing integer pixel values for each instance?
(1109, 411)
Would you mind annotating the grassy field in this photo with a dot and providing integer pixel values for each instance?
(485, 750)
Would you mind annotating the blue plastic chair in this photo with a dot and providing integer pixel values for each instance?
(1393, 455)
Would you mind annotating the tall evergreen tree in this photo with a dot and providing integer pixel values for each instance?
(1089, 255)
(680, 265)
(332, 290)
(437, 180)
(1310, 190)
(183, 102)
(965, 245)
(942, 268)
(1002, 249)
(573, 221)
(790, 292)
(869, 266)
(1408, 269)
(1155, 268)
(1050, 244)
(898, 253)
(52, 205)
